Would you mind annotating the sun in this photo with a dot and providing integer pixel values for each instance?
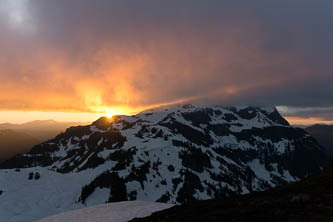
(109, 112)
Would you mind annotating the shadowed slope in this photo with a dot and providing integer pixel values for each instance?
(324, 135)
(309, 200)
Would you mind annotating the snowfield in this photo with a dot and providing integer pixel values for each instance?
(24, 200)
(113, 212)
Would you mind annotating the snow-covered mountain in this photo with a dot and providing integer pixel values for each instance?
(169, 154)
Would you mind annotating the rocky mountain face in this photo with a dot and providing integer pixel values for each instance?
(172, 154)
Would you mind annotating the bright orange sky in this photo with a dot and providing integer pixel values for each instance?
(294, 120)
(19, 117)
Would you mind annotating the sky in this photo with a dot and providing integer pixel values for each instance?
(80, 59)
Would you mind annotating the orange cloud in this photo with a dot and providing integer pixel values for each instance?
(143, 67)
(296, 120)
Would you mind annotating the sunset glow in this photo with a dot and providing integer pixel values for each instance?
(295, 120)
(109, 112)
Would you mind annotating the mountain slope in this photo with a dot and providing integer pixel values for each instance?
(324, 135)
(310, 200)
(170, 154)
(12, 142)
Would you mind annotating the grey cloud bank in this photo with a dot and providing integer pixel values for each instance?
(256, 52)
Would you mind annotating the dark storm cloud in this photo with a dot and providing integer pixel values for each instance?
(84, 54)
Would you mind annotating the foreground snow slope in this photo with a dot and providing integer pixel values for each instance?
(24, 200)
(170, 154)
(113, 212)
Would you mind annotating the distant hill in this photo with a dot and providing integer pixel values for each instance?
(41, 129)
(324, 135)
(20, 138)
(12, 142)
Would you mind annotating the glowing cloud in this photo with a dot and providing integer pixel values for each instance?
(118, 57)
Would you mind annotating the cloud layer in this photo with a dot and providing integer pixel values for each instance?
(83, 55)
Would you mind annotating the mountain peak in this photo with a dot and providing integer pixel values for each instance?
(102, 123)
